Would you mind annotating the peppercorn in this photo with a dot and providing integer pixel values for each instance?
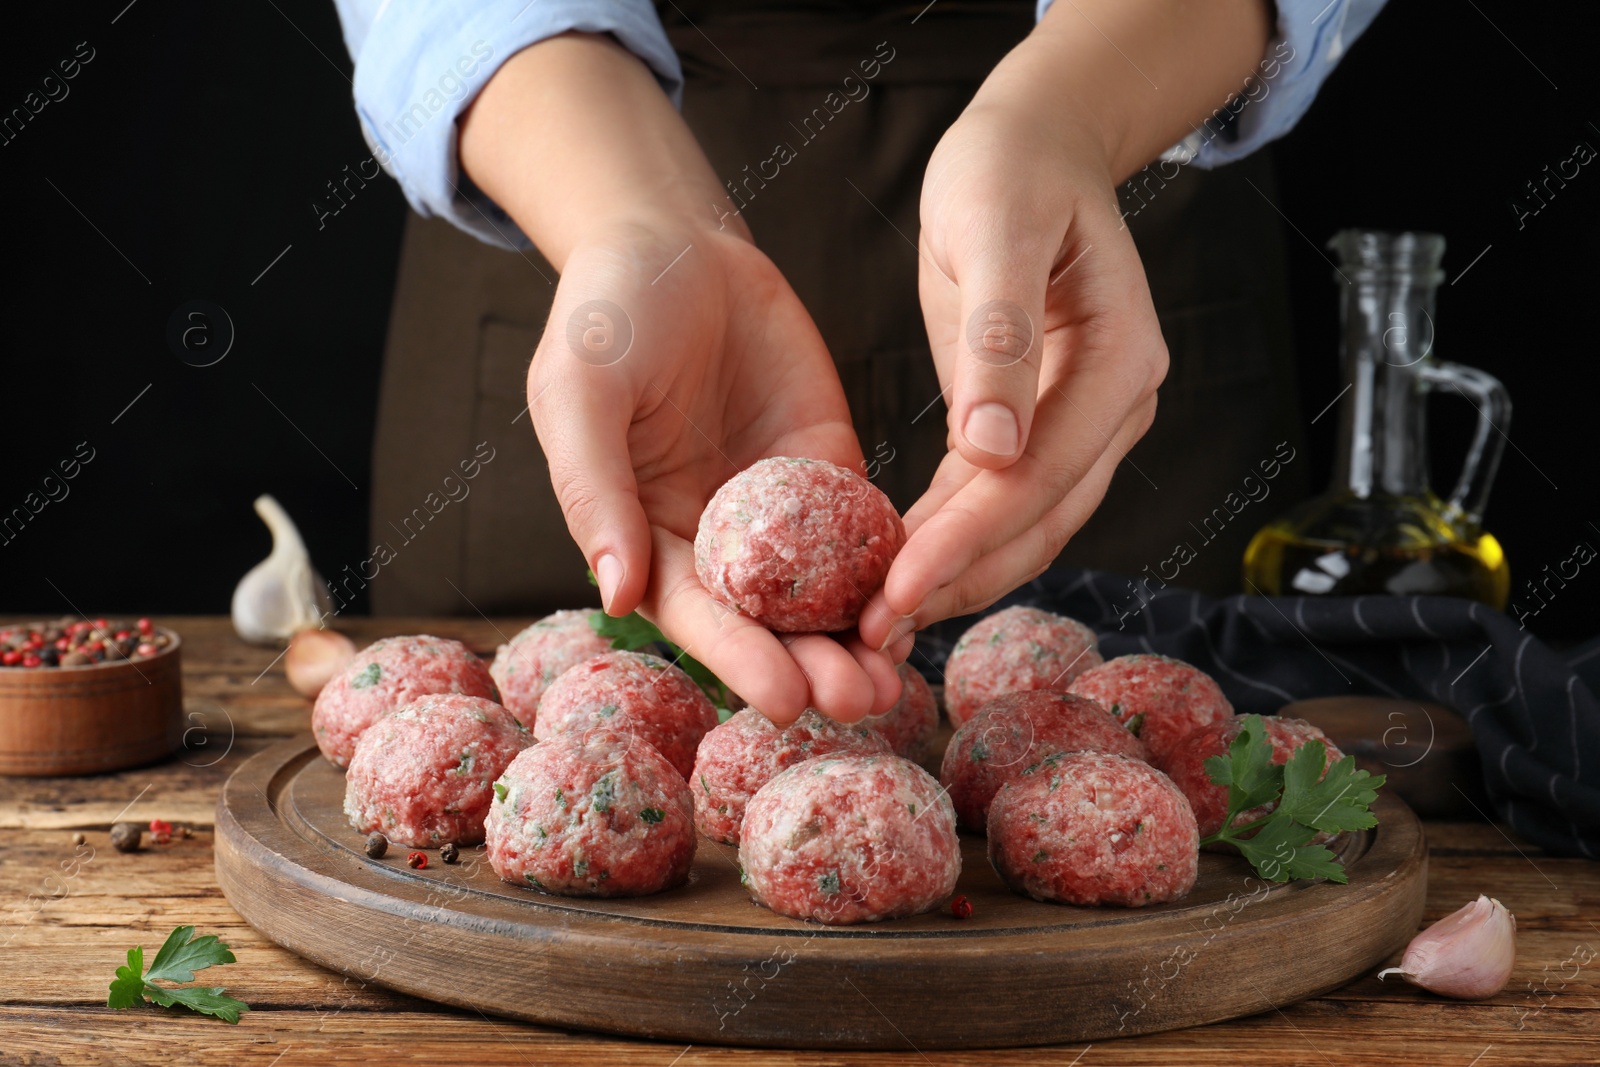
(185, 833)
(449, 853)
(961, 908)
(418, 860)
(78, 838)
(127, 837)
(69, 643)
(377, 845)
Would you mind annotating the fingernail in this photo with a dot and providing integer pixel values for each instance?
(900, 650)
(608, 572)
(899, 626)
(992, 428)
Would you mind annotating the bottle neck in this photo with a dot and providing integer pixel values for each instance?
(1388, 336)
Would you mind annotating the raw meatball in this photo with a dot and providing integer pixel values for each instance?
(1011, 734)
(1187, 765)
(911, 725)
(1094, 828)
(1013, 651)
(422, 774)
(591, 815)
(797, 544)
(748, 751)
(390, 674)
(850, 839)
(1159, 698)
(630, 693)
(525, 666)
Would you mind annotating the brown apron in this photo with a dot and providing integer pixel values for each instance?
(839, 220)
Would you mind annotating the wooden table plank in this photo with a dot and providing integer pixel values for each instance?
(64, 930)
(361, 1038)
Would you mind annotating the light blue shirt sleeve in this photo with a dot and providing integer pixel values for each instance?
(421, 63)
(1312, 36)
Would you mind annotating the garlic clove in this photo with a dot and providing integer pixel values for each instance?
(282, 594)
(314, 657)
(1468, 954)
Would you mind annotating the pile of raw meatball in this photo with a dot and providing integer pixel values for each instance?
(591, 772)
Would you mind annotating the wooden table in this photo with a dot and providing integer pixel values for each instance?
(65, 926)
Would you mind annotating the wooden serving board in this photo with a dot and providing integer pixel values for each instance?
(703, 964)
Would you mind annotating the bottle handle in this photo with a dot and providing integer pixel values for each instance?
(1485, 393)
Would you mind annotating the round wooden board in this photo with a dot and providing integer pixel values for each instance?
(703, 964)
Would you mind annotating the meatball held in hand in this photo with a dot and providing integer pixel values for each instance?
(798, 545)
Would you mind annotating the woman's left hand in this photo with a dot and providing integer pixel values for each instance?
(1047, 344)
(1036, 305)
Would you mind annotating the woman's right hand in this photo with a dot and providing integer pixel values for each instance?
(674, 358)
(675, 355)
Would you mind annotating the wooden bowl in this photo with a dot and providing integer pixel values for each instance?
(91, 719)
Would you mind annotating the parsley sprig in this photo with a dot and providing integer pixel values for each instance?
(1308, 802)
(633, 631)
(177, 961)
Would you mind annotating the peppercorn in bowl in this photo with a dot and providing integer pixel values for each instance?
(85, 696)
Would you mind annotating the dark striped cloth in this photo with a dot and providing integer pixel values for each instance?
(1533, 712)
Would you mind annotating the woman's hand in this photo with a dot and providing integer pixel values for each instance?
(674, 358)
(675, 355)
(1036, 305)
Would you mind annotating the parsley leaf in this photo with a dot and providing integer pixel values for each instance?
(1306, 801)
(127, 989)
(633, 632)
(1336, 803)
(1247, 770)
(630, 632)
(179, 957)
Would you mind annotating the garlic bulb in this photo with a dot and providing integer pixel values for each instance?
(282, 594)
(1468, 954)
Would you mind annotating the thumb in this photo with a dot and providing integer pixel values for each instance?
(995, 381)
(581, 412)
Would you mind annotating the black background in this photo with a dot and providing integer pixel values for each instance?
(198, 138)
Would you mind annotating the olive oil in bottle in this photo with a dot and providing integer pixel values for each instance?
(1380, 528)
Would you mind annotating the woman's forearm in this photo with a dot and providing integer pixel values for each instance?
(1139, 74)
(574, 135)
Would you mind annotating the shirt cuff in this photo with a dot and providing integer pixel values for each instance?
(419, 65)
(1312, 36)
